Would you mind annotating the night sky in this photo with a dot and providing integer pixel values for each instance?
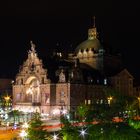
(66, 22)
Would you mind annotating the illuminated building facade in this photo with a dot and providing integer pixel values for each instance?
(32, 89)
(83, 80)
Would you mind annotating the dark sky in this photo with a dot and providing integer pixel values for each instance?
(48, 22)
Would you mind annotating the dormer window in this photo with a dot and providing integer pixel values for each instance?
(62, 77)
(85, 53)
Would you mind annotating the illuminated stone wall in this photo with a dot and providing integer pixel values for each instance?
(31, 89)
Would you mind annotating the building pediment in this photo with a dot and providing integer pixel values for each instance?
(125, 72)
(31, 68)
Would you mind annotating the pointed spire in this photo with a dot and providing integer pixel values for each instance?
(94, 23)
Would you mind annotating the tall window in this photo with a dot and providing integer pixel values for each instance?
(18, 96)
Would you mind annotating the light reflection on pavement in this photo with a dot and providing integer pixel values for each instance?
(8, 134)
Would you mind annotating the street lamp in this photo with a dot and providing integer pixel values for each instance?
(109, 99)
(55, 137)
(23, 134)
(7, 98)
(83, 133)
(7, 124)
(25, 125)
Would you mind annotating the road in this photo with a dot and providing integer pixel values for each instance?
(8, 134)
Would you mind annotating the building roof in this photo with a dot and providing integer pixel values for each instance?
(125, 71)
(87, 44)
(91, 43)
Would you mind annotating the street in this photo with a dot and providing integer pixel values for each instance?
(8, 134)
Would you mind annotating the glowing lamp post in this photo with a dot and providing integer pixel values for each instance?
(109, 100)
(25, 125)
(55, 137)
(7, 98)
(23, 134)
(83, 133)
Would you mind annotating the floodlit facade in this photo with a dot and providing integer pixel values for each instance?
(32, 89)
(83, 80)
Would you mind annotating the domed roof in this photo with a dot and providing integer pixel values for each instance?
(91, 43)
(87, 44)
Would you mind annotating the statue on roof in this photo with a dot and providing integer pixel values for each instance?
(32, 53)
(62, 77)
(32, 46)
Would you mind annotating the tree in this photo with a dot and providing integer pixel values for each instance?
(36, 129)
(124, 106)
(68, 131)
(103, 113)
(82, 111)
(15, 114)
(114, 131)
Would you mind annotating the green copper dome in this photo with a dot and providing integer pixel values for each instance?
(87, 44)
(91, 43)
